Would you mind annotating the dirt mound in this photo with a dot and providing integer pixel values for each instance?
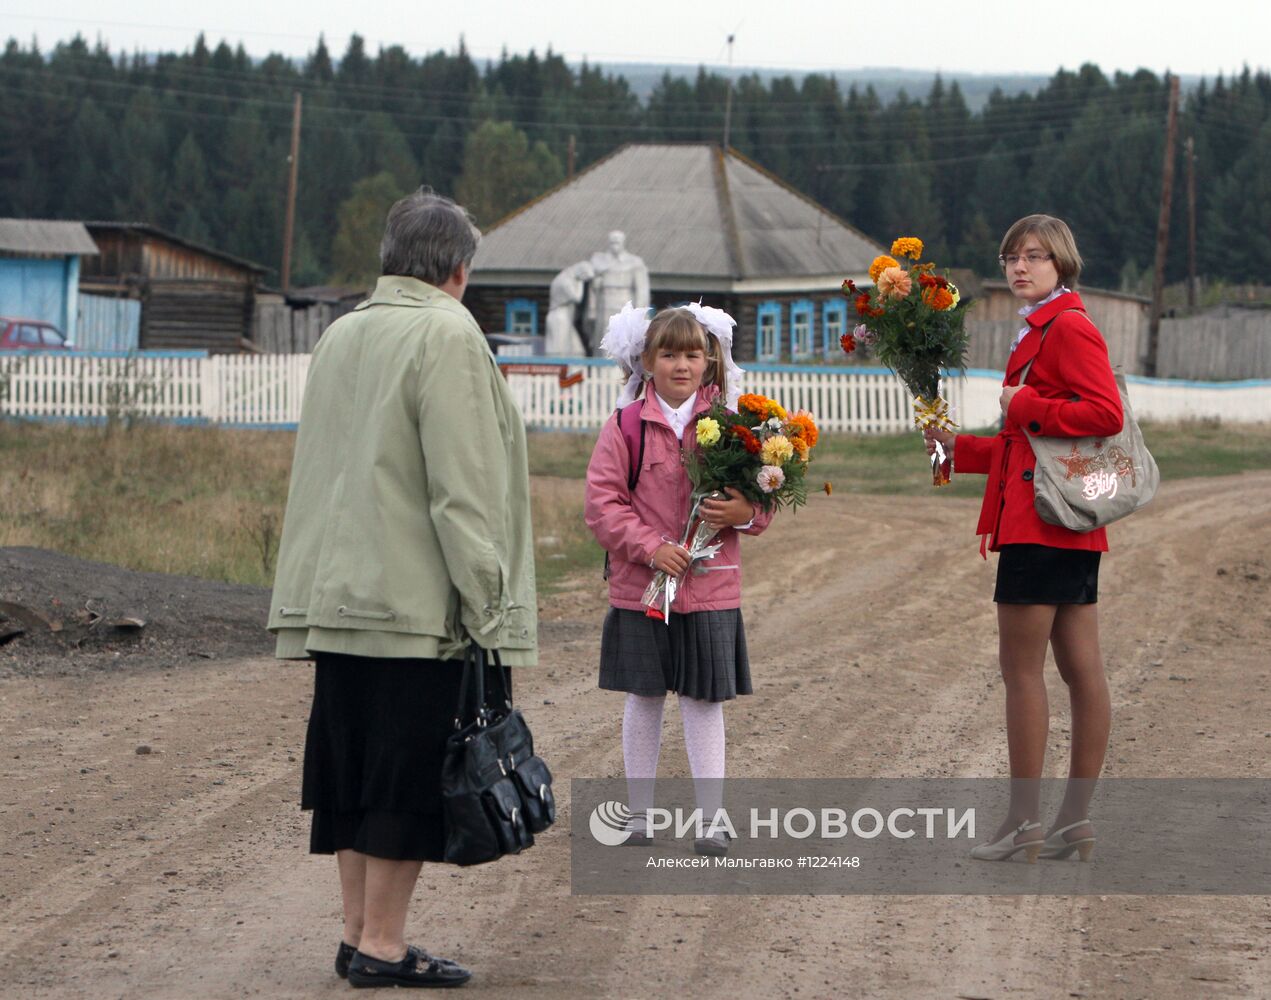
(60, 615)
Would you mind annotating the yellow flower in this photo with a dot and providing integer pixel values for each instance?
(707, 432)
(880, 265)
(775, 409)
(777, 450)
(953, 290)
(907, 246)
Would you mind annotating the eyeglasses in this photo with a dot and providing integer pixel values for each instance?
(1031, 259)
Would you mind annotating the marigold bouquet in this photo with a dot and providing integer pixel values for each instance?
(761, 451)
(914, 322)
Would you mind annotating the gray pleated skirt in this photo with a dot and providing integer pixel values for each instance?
(699, 655)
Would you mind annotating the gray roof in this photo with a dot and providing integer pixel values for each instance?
(689, 210)
(45, 237)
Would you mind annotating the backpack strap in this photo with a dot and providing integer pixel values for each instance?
(628, 419)
(632, 427)
(1028, 367)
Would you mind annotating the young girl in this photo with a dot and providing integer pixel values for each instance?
(677, 365)
(1047, 576)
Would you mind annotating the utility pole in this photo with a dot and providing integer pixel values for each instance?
(289, 227)
(728, 101)
(1191, 223)
(570, 158)
(1162, 232)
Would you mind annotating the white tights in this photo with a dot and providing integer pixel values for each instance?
(703, 742)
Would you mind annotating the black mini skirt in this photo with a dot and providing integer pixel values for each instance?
(1043, 574)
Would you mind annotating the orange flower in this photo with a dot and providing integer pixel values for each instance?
(862, 304)
(756, 404)
(880, 265)
(748, 440)
(937, 298)
(829, 488)
(907, 246)
(848, 343)
(927, 281)
(807, 429)
(894, 283)
(801, 448)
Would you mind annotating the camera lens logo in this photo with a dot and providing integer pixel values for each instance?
(610, 823)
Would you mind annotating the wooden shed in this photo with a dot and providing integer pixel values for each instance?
(192, 297)
(993, 321)
(40, 263)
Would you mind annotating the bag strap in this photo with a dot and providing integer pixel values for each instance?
(628, 417)
(473, 680)
(1028, 367)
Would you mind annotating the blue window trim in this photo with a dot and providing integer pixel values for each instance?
(517, 305)
(828, 310)
(766, 309)
(802, 307)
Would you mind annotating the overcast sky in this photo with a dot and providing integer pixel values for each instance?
(979, 36)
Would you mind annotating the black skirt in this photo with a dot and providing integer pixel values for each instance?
(699, 655)
(373, 754)
(1043, 574)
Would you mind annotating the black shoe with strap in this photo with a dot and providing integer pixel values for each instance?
(416, 969)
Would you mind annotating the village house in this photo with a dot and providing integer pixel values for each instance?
(709, 223)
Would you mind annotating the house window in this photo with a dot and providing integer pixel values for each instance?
(768, 332)
(801, 330)
(833, 326)
(521, 316)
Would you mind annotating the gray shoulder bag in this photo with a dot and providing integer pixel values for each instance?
(1087, 482)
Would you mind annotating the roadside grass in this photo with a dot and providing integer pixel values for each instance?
(208, 502)
(897, 463)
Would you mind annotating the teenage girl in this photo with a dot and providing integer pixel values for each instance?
(1047, 576)
(677, 370)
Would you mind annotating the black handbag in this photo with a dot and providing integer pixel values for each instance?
(496, 794)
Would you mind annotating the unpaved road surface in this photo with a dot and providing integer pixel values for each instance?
(182, 872)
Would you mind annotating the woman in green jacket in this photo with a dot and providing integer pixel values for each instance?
(407, 535)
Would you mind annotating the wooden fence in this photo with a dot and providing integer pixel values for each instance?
(1235, 344)
(284, 329)
(266, 390)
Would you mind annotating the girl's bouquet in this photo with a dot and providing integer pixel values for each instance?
(913, 321)
(761, 451)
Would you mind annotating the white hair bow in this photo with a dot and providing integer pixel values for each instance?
(624, 343)
(719, 323)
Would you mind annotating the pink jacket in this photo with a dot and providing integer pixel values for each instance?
(630, 526)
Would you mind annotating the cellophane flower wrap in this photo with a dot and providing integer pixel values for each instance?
(760, 450)
(913, 321)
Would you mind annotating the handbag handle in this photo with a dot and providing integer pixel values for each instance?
(474, 669)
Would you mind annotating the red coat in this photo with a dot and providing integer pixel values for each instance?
(1071, 392)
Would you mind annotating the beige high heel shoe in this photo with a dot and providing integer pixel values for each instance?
(1006, 848)
(1057, 849)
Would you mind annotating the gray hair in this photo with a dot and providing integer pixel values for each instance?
(427, 236)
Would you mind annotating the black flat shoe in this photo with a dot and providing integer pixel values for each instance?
(417, 969)
(343, 956)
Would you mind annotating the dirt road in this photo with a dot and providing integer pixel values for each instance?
(181, 871)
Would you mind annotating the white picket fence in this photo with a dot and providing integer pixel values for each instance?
(266, 391)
